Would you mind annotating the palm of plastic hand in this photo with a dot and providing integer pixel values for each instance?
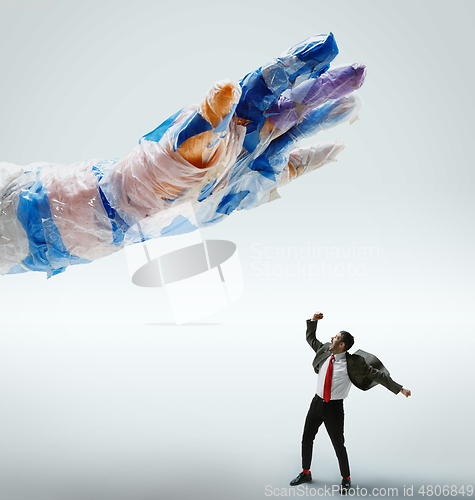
(229, 152)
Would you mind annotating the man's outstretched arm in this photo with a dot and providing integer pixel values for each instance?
(312, 340)
(384, 379)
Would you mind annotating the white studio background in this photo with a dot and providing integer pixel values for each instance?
(103, 398)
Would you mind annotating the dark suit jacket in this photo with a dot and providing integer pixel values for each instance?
(364, 369)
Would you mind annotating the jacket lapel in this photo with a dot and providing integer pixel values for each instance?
(322, 354)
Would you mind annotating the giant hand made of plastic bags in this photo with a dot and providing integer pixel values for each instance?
(230, 152)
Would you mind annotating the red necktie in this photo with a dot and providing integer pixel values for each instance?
(327, 388)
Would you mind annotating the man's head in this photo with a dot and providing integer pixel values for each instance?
(341, 342)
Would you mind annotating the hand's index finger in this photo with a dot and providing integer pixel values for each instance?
(309, 58)
(261, 88)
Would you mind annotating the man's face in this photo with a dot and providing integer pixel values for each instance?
(337, 344)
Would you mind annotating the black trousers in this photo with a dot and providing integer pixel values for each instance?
(332, 415)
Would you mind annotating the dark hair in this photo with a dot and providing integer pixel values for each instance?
(348, 339)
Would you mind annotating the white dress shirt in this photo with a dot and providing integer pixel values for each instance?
(340, 381)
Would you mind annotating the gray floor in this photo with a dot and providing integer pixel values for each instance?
(202, 412)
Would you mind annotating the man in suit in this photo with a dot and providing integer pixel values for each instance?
(337, 369)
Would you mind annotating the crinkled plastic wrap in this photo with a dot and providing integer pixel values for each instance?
(229, 152)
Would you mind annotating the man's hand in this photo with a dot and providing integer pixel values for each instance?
(406, 392)
(317, 316)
